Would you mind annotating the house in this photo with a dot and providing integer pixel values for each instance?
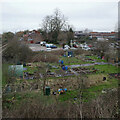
(32, 37)
(103, 35)
(78, 34)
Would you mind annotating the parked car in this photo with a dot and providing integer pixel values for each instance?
(37, 43)
(75, 46)
(43, 43)
(49, 45)
(86, 48)
(53, 46)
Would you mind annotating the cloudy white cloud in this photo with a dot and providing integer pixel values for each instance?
(99, 15)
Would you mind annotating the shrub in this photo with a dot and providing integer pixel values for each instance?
(45, 57)
(58, 53)
(104, 106)
(81, 51)
(16, 52)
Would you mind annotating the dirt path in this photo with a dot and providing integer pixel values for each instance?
(89, 64)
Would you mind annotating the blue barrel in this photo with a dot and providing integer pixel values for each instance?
(59, 61)
(66, 68)
(63, 67)
(64, 55)
(65, 89)
(62, 62)
(59, 90)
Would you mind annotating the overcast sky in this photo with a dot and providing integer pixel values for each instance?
(97, 15)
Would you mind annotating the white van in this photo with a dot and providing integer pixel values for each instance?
(66, 47)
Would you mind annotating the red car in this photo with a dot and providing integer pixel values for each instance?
(75, 46)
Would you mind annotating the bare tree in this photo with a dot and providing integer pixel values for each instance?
(70, 35)
(53, 24)
(101, 47)
(7, 37)
(81, 81)
(16, 52)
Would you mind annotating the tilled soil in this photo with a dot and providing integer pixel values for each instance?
(85, 70)
(116, 75)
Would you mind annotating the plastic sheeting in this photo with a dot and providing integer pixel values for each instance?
(15, 70)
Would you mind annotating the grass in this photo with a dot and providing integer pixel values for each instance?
(96, 58)
(87, 94)
(5, 75)
(91, 92)
(69, 95)
(105, 68)
(22, 97)
(72, 61)
(18, 98)
(31, 69)
(19, 81)
(113, 83)
(62, 77)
